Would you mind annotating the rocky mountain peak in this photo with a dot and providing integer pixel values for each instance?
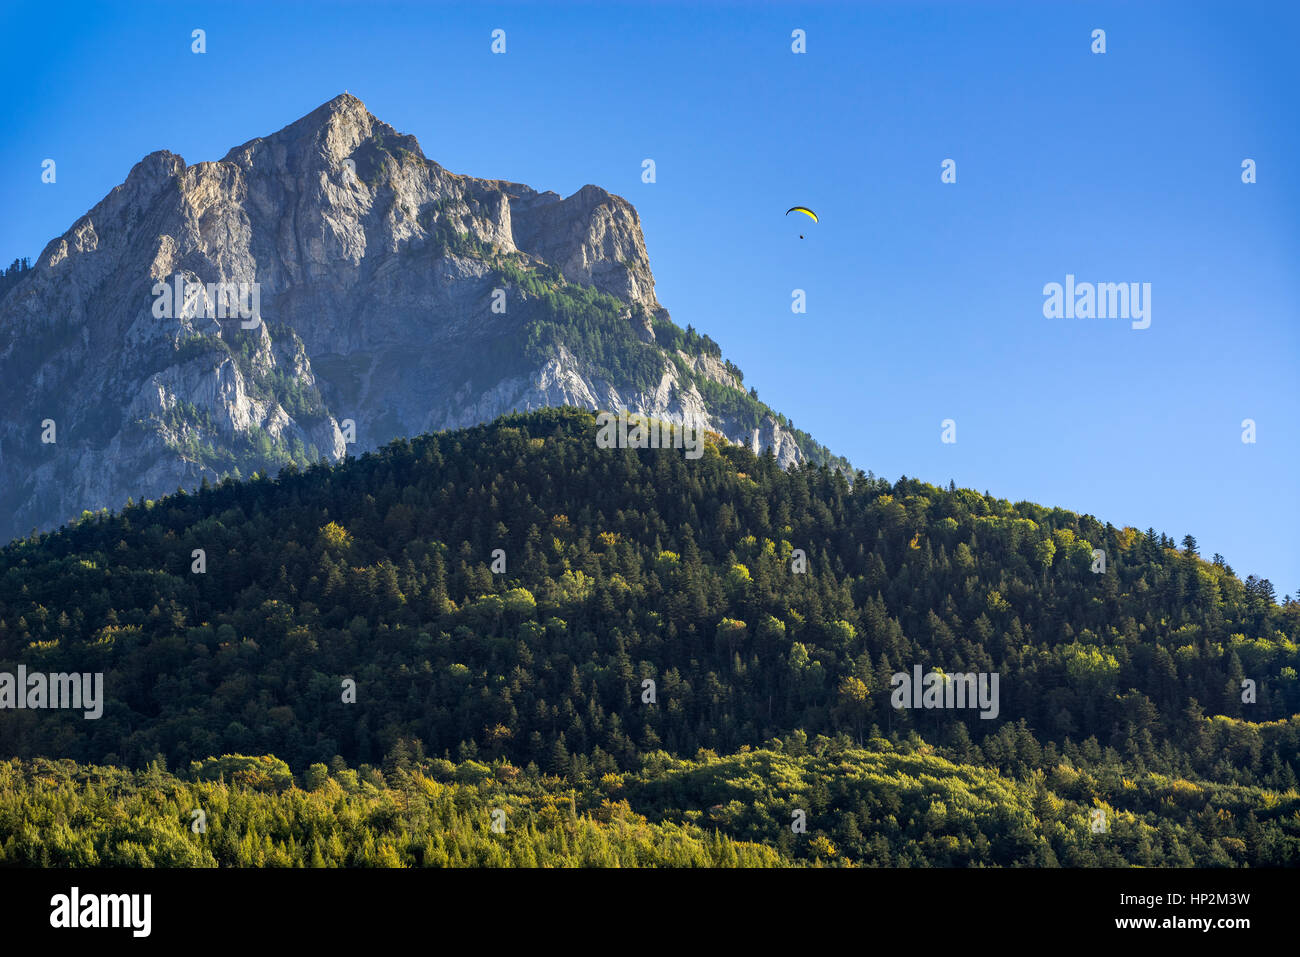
(396, 297)
(332, 132)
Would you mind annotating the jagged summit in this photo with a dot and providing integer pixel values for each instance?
(335, 129)
(344, 102)
(377, 271)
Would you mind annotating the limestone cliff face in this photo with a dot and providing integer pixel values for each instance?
(396, 297)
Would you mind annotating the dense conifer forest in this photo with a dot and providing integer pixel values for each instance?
(639, 659)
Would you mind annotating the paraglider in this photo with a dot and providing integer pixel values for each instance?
(802, 209)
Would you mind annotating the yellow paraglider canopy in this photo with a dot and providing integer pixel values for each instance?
(802, 209)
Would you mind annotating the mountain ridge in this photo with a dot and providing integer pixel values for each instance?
(378, 273)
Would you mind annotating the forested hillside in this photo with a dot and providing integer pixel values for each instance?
(1121, 690)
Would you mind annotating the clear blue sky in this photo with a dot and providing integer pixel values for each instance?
(924, 299)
